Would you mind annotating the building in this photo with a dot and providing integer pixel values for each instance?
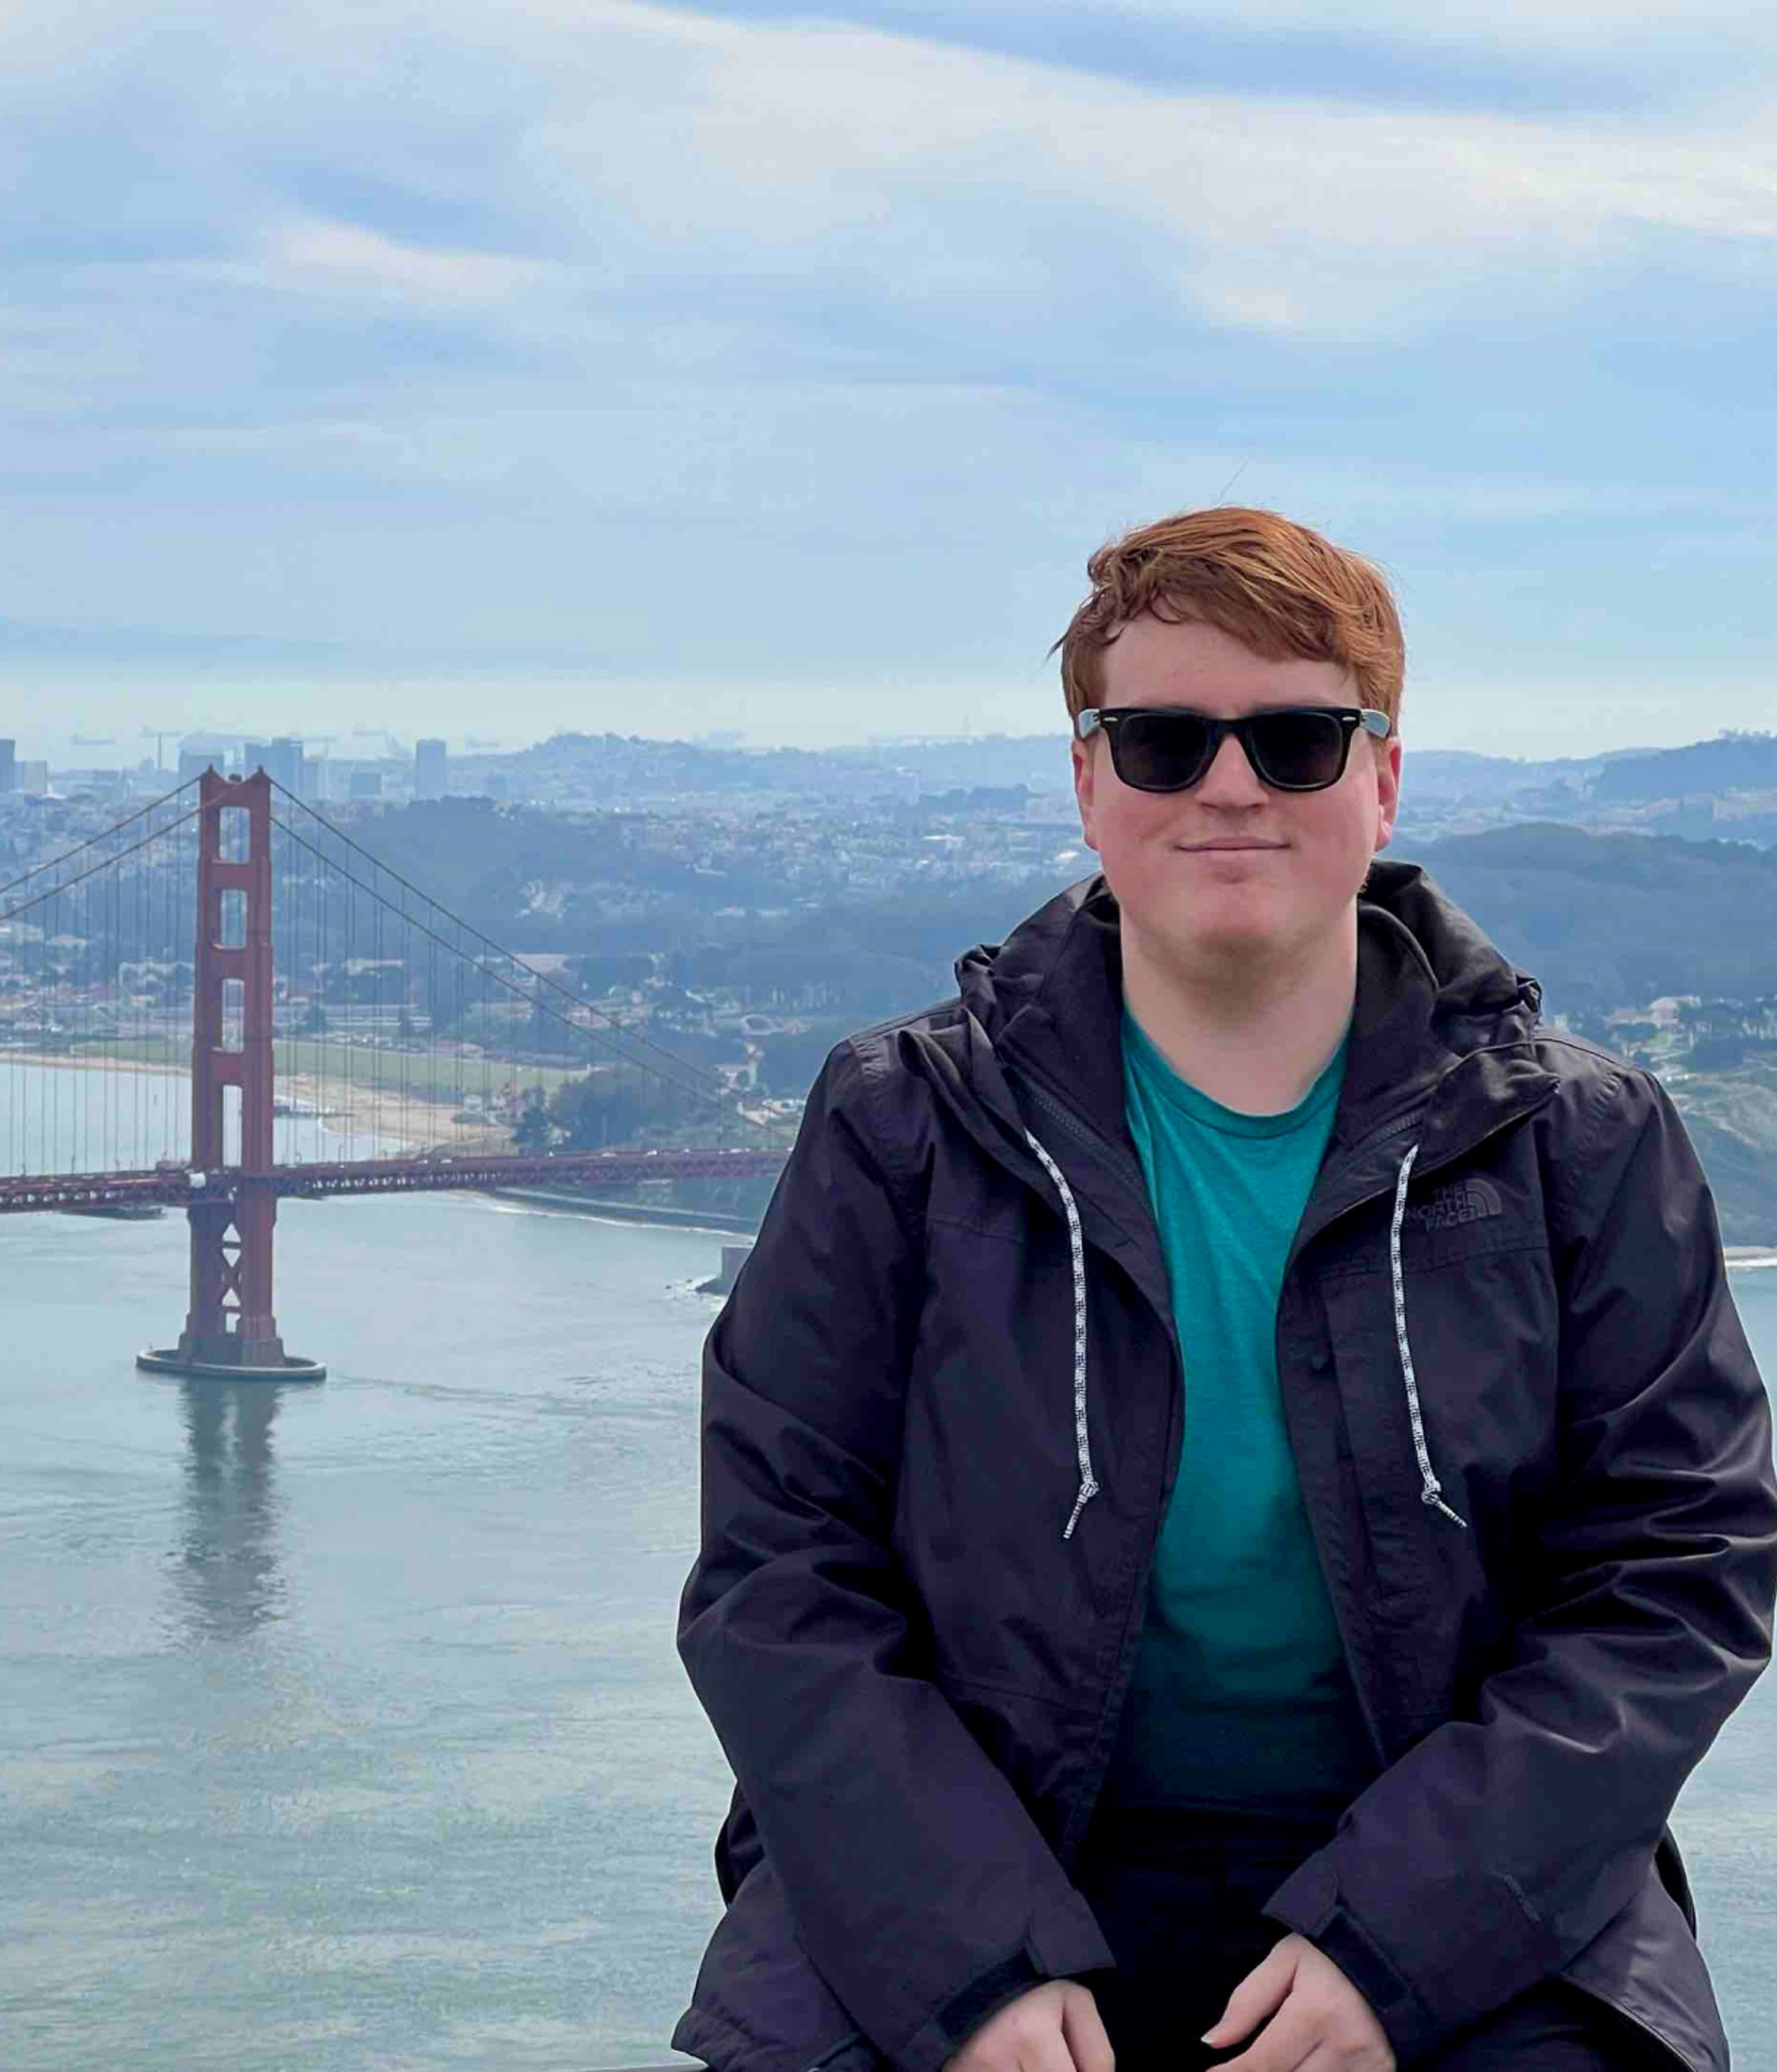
(284, 764)
(9, 766)
(281, 761)
(431, 770)
(367, 784)
(33, 777)
(196, 755)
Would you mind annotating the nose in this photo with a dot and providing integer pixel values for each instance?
(1230, 779)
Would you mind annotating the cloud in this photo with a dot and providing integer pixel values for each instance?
(312, 256)
(944, 173)
(1519, 24)
(640, 146)
(459, 325)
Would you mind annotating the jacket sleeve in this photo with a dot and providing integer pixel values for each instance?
(920, 1885)
(1492, 1852)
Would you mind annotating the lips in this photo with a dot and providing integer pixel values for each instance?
(1230, 848)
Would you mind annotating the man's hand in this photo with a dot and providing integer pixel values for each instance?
(1053, 2028)
(1315, 2013)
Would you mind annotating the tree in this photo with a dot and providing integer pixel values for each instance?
(533, 1131)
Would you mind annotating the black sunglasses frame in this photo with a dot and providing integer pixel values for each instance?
(1109, 718)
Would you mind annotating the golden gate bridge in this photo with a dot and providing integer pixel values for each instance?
(341, 1031)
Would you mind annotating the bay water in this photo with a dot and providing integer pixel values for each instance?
(341, 1726)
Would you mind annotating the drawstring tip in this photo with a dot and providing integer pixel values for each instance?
(1088, 1489)
(1432, 1495)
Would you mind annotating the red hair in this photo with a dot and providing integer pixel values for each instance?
(1264, 580)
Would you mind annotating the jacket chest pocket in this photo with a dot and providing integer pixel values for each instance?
(1449, 1399)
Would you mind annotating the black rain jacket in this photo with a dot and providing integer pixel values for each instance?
(942, 1416)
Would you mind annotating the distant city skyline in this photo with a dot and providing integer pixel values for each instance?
(430, 759)
(687, 369)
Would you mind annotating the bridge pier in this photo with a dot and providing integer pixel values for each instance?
(230, 1329)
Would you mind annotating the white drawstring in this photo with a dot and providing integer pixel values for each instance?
(1431, 1489)
(1088, 1484)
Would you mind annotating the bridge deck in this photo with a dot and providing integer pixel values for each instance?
(180, 1186)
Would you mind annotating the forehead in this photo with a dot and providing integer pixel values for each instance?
(1153, 662)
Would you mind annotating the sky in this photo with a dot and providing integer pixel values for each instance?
(493, 370)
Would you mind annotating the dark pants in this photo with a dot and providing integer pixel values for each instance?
(1178, 1896)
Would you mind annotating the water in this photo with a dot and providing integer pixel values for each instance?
(104, 1118)
(343, 1727)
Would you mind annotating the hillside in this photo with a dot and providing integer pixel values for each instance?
(1732, 1119)
(1731, 762)
(1608, 921)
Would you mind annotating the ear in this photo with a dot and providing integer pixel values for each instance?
(1387, 790)
(1085, 769)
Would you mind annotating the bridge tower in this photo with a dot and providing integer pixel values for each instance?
(230, 1331)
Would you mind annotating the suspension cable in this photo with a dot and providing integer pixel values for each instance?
(117, 827)
(687, 1085)
(681, 1064)
(55, 891)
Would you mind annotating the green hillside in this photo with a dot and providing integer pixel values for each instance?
(1608, 921)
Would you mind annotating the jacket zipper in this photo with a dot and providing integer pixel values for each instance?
(1119, 1161)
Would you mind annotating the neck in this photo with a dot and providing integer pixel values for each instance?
(1251, 1034)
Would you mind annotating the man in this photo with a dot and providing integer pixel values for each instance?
(1234, 1494)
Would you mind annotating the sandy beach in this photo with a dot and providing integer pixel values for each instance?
(351, 1107)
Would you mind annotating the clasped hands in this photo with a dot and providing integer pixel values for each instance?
(1315, 2021)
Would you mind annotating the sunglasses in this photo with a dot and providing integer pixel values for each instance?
(1291, 748)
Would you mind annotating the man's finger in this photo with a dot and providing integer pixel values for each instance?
(1292, 2039)
(1261, 1992)
(1047, 2052)
(1082, 2026)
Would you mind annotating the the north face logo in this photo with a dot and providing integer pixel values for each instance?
(1464, 1202)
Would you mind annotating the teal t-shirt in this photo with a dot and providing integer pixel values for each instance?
(1240, 1695)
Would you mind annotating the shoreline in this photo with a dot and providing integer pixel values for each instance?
(715, 1221)
(1749, 1258)
(92, 1061)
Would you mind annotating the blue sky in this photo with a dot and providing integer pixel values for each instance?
(478, 369)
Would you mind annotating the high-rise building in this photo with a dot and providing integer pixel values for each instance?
(283, 761)
(9, 766)
(33, 777)
(197, 754)
(431, 770)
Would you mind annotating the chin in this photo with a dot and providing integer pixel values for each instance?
(1222, 940)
